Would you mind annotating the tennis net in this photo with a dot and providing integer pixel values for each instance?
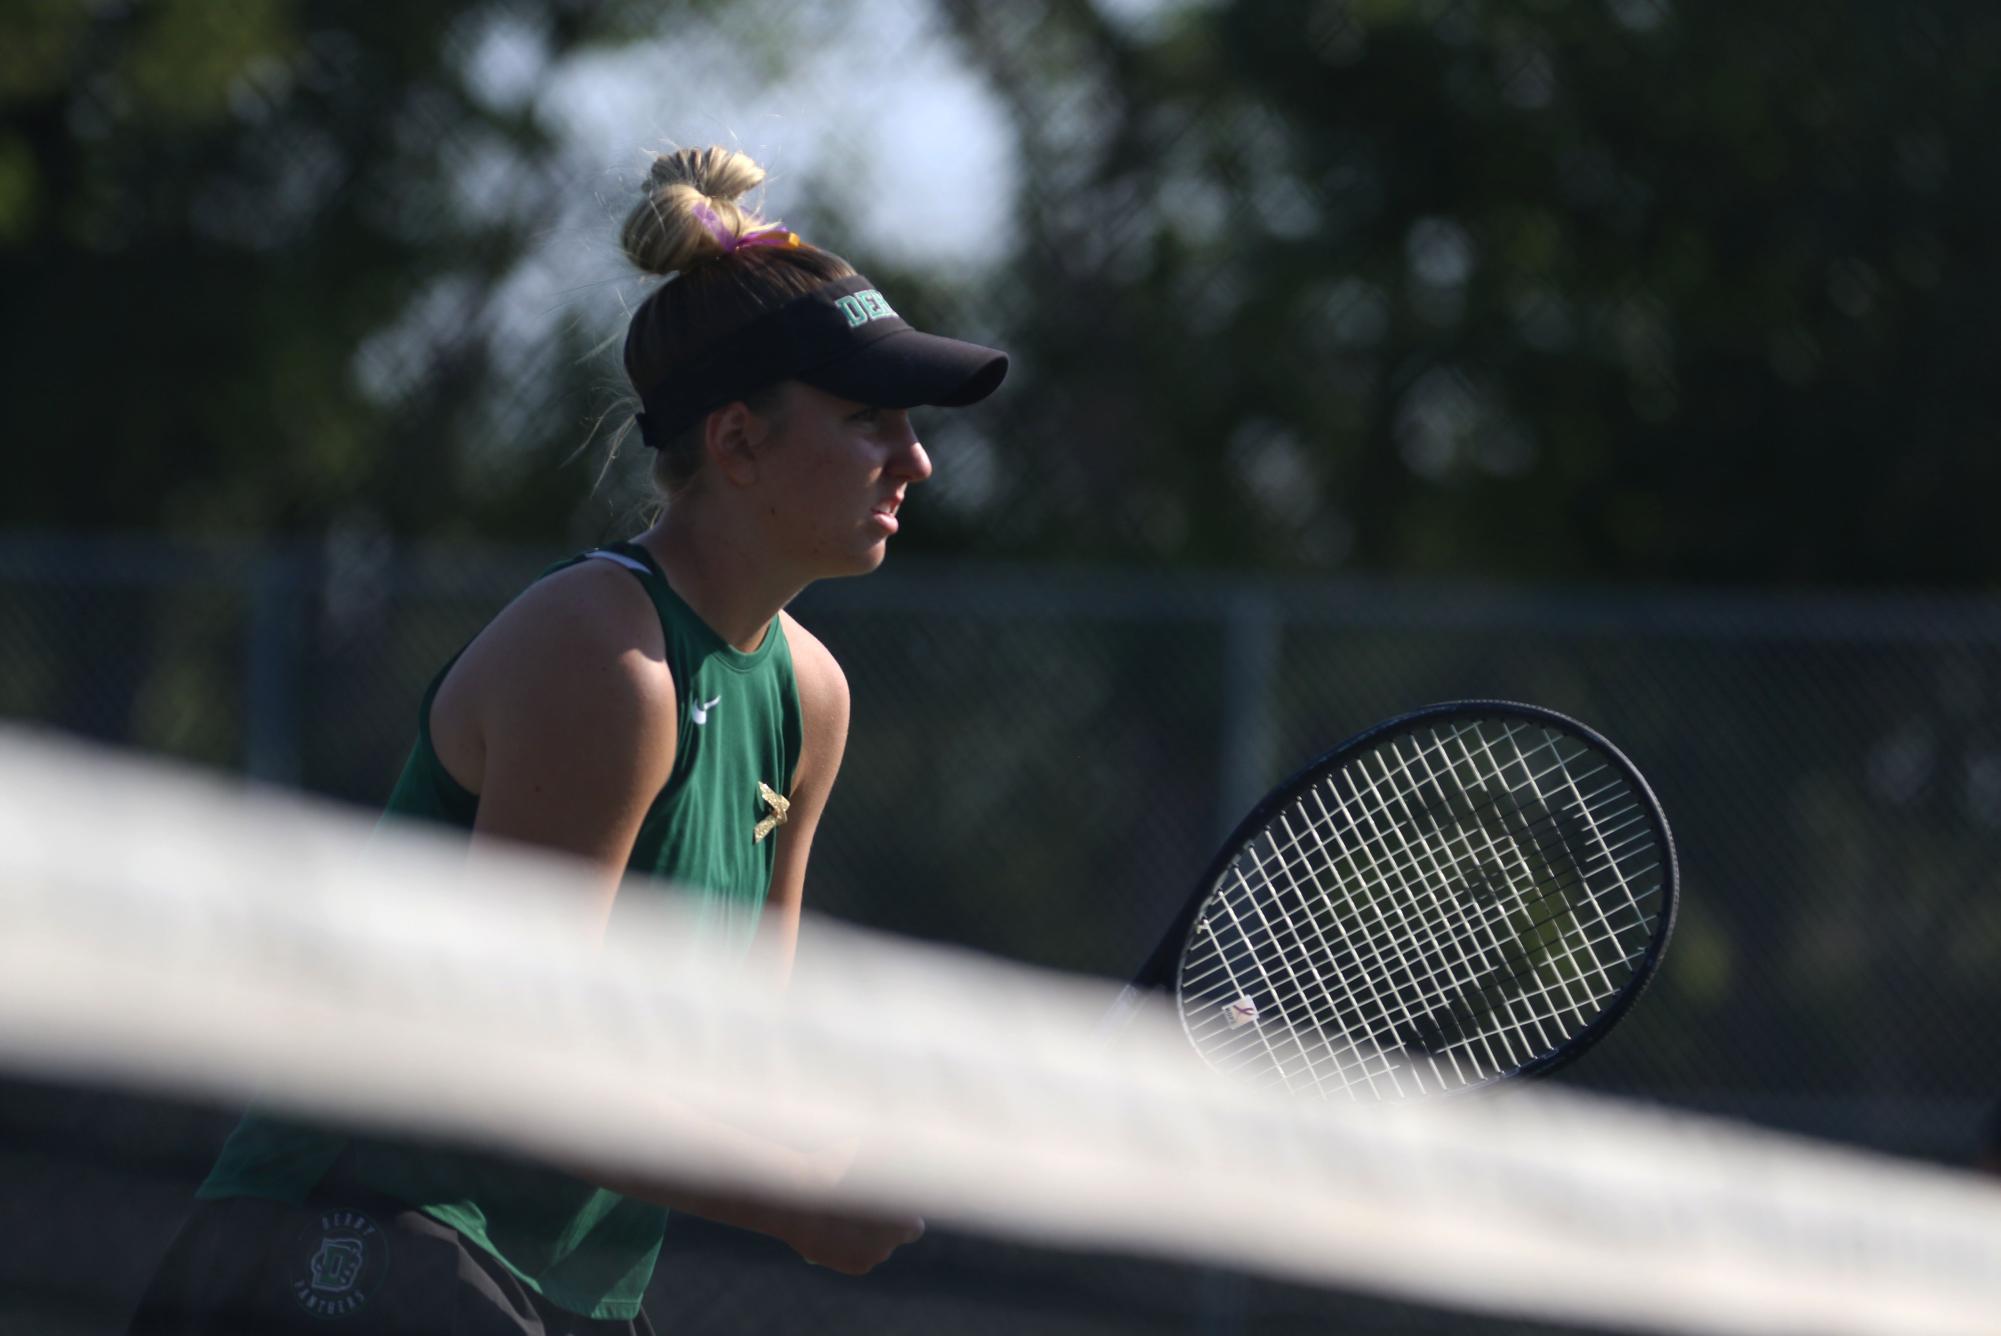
(177, 938)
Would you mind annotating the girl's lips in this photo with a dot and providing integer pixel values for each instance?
(885, 513)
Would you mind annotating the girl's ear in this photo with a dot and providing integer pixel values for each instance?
(731, 436)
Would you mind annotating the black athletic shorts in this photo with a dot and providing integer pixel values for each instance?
(342, 1264)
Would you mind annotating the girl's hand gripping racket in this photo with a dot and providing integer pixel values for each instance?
(1470, 892)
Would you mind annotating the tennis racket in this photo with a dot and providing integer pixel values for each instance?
(1471, 892)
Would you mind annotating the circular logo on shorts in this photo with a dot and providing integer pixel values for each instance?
(338, 1261)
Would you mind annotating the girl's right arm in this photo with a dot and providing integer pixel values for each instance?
(562, 717)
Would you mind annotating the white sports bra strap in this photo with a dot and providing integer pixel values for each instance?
(621, 559)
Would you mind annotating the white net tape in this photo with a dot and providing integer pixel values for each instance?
(164, 931)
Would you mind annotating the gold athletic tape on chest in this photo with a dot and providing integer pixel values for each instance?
(781, 810)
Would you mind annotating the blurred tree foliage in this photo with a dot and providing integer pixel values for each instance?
(1618, 289)
(1631, 288)
(206, 210)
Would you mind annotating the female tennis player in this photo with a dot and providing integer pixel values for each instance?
(652, 709)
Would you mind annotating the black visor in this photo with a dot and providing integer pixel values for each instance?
(842, 338)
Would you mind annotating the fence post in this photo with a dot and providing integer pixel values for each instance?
(275, 638)
(1252, 631)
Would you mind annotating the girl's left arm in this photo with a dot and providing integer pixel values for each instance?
(823, 709)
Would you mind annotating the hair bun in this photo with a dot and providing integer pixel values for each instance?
(664, 234)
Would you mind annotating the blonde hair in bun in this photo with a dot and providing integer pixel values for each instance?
(666, 233)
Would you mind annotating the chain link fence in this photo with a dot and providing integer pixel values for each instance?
(1040, 764)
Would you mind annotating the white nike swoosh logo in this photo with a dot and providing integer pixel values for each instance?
(700, 710)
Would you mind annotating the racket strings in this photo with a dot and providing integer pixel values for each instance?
(1375, 1000)
(1398, 1003)
(1437, 973)
(1582, 1011)
(1583, 809)
(1367, 1051)
(1501, 965)
(1295, 1026)
(1369, 1063)
(1293, 851)
(1586, 812)
(1295, 846)
(1376, 857)
(1436, 844)
(1569, 1002)
(1365, 1054)
(1632, 899)
(1414, 873)
(1501, 907)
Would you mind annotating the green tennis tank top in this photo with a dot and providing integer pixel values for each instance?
(584, 1248)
